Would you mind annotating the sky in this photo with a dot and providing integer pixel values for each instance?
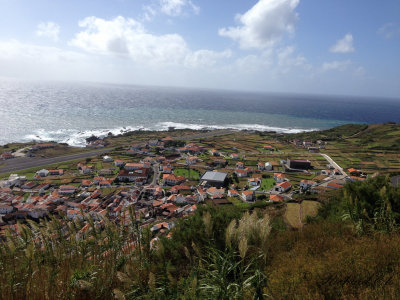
(335, 47)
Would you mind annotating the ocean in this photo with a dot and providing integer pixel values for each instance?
(70, 112)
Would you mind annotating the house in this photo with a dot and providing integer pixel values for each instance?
(354, 172)
(233, 193)
(214, 152)
(239, 165)
(279, 177)
(166, 170)
(97, 179)
(67, 189)
(333, 185)
(86, 183)
(268, 166)
(107, 171)
(191, 160)
(213, 192)
(254, 181)
(268, 148)
(276, 198)
(29, 185)
(180, 188)
(105, 183)
(172, 179)
(134, 166)
(235, 156)
(119, 163)
(107, 159)
(283, 187)
(248, 196)
(355, 178)
(261, 166)
(42, 173)
(59, 172)
(241, 173)
(306, 184)
(137, 175)
(85, 169)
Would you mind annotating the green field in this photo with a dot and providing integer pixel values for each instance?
(267, 183)
(194, 175)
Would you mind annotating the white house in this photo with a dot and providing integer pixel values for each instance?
(241, 172)
(213, 192)
(248, 196)
(283, 187)
(239, 165)
(107, 159)
(279, 177)
(306, 184)
(233, 193)
(254, 181)
(268, 166)
(43, 173)
(191, 160)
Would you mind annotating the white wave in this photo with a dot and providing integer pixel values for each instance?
(77, 138)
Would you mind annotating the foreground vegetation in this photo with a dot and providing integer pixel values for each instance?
(217, 253)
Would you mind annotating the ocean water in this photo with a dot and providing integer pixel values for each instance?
(70, 112)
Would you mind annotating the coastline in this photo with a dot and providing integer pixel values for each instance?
(77, 138)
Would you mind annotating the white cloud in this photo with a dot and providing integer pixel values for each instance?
(389, 30)
(264, 24)
(206, 58)
(344, 45)
(336, 65)
(128, 38)
(16, 50)
(176, 8)
(48, 29)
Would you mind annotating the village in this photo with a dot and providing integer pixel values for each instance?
(165, 179)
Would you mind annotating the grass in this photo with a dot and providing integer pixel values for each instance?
(238, 202)
(292, 215)
(309, 208)
(194, 175)
(296, 214)
(267, 183)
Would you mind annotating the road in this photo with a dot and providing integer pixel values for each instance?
(156, 169)
(333, 163)
(22, 163)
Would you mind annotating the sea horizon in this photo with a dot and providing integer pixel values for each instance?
(69, 112)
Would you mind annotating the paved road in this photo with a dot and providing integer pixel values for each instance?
(156, 169)
(21, 163)
(334, 164)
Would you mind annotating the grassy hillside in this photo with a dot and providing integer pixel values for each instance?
(218, 253)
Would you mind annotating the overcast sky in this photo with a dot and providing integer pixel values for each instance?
(297, 46)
